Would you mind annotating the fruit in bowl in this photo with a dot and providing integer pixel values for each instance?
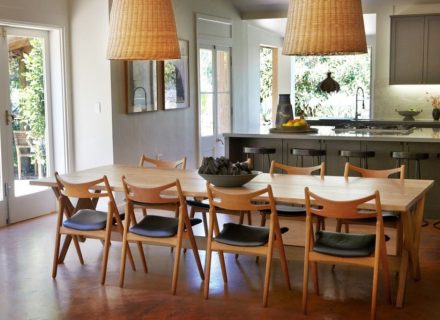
(297, 122)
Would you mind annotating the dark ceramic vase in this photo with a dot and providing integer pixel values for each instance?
(284, 110)
(436, 114)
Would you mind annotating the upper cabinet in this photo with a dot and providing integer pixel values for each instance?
(415, 49)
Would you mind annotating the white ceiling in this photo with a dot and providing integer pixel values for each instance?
(277, 5)
(278, 25)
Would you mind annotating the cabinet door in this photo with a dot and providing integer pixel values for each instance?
(432, 52)
(406, 61)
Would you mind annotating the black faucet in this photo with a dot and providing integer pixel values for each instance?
(359, 89)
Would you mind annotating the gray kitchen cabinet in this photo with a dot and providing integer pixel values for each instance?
(415, 49)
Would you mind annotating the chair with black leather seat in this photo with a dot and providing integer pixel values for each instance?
(83, 220)
(356, 249)
(263, 151)
(146, 161)
(315, 155)
(155, 229)
(390, 219)
(163, 164)
(293, 211)
(363, 156)
(243, 239)
(202, 205)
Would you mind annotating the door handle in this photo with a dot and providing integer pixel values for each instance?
(9, 117)
(219, 140)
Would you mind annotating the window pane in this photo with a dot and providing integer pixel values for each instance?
(224, 113)
(223, 71)
(206, 79)
(266, 87)
(350, 71)
(206, 114)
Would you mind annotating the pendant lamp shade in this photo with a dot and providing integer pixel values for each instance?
(142, 30)
(324, 27)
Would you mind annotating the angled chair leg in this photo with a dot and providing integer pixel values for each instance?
(193, 243)
(176, 266)
(223, 266)
(56, 255)
(142, 255)
(305, 285)
(123, 261)
(267, 274)
(78, 249)
(207, 271)
(283, 262)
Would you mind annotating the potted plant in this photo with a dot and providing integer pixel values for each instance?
(435, 102)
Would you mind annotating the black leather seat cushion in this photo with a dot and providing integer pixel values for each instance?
(344, 244)
(158, 226)
(243, 235)
(287, 210)
(387, 217)
(87, 220)
(201, 204)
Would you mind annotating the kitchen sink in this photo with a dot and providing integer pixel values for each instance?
(374, 129)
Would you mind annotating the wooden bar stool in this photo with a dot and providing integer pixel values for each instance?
(406, 158)
(361, 155)
(263, 151)
(316, 154)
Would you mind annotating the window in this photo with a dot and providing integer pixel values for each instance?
(350, 71)
(268, 87)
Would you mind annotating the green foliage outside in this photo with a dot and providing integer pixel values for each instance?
(26, 78)
(266, 76)
(350, 71)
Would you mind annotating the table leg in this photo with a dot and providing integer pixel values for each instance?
(412, 221)
(417, 220)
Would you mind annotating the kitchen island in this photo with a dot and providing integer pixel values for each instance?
(426, 140)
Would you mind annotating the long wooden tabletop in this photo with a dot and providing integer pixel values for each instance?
(395, 195)
(406, 196)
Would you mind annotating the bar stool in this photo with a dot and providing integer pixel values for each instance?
(405, 158)
(316, 154)
(263, 151)
(361, 155)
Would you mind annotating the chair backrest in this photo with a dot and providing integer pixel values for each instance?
(163, 164)
(152, 195)
(242, 201)
(370, 173)
(348, 209)
(297, 170)
(90, 189)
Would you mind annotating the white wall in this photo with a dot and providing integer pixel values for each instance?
(173, 133)
(91, 85)
(389, 97)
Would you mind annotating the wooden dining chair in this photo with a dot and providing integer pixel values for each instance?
(161, 164)
(289, 211)
(333, 247)
(158, 230)
(390, 219)
(202, 205)
(243, 239)
(83, 220)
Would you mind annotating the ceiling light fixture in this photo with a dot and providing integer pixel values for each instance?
(324, 27)
(142, 30)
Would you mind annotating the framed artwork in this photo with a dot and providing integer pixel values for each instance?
(176, 80)
(142, 90)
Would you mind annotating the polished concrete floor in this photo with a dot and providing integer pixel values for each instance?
(27, 290)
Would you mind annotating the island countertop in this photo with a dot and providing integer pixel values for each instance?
(328, 133)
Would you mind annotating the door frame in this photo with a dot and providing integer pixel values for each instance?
(56, 94)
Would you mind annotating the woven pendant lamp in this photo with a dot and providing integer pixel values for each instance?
(324, 27)
(142, 30)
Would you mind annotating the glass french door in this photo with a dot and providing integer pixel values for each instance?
(214, 98)
(24, 130)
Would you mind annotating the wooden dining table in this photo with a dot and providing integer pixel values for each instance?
(404, 196)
